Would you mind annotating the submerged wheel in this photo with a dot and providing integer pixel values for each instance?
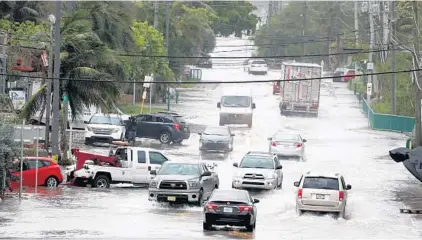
(250, 228)
(206, 226)
(51, 182)
(165, 138)
(101, 181)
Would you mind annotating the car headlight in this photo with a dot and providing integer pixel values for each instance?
(271, 176)
(89, 128)
(116, 130)
(238, 175)
(193, 184)
(153, 184)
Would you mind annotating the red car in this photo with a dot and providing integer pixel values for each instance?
(276, 87)
(49, 173)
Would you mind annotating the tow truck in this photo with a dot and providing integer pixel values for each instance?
(124, 164)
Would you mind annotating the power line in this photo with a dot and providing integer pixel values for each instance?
(218, 82)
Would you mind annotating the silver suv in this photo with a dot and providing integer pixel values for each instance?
(322, 193)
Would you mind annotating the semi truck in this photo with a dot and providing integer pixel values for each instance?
(299, 97)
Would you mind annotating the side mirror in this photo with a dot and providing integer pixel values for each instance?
(348, 187)
(232, 134)
(85, 122)
(304, 140)
(153, 172)
(270, 139)
(255, 200)
(218, 105)
(235, 165)
(279, 167)
(253, 106)
(296, 184)
(206, 174)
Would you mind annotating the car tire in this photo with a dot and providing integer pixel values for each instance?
(101, 181)
(250, 228)
(51, 182)
(206, 226)
(233, 186)
(299, 212)
(178, 141)
(342, 213)
(221, 123)
(250, 124)
(280, 185)
(88, 141)
(165, 138)
(200, 196)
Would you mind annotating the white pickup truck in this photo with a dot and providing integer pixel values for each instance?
(136, 164)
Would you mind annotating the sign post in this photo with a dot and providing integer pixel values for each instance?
(146, 86)
(368, 99)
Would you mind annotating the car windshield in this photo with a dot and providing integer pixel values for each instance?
(286, 137)
(216, 131)
(321, 183)
(236, 101)
(179, 169)
(257, 162)
(97, 119)
(258, 62)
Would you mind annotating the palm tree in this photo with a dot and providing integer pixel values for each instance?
(21, 11)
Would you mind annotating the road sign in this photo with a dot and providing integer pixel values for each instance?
(147, 81)
(369, 89)
(18, 98)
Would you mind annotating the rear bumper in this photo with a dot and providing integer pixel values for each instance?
(319, 208)
(265, 184)
(182, 196)
(258, 70)
(287, 152)
(179, 135)
(226, 219)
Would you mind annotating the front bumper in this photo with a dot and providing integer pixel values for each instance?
(236, 118)
(227, 219)
(266, 184)
(82, 181)
(295, 152)
(108, 138)
(319, 208)
(179, 196)
(211, 146)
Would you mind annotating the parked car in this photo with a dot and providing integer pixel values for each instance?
(105, 128)
(182, 182)
(216, 139)
(344, 75)
(287, 144)
(166, 128)
(49, 172)
(322, 193)
(205, 62)
(230, 207)
(260, 170)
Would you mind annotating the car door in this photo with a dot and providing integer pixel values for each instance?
(207, 181)
(140, 168)
(42, 171)
(140, 123)
(156, 160)
(156, 127)
(28, 176)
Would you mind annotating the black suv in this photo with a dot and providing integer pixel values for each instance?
(167, 128)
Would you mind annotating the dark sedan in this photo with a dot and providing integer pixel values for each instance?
(216, 139)
(230, 207)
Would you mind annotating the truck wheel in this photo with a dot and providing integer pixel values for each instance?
(101, 181)
(165, 138)
(250, 124)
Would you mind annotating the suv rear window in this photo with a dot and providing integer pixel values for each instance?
(180, 119)
(258, 62)
(321, 183)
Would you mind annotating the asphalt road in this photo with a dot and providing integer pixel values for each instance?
(338, 140)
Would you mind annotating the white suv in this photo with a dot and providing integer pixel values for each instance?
(104, 128)
(322, 193)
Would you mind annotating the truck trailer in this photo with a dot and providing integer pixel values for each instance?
(299, 97)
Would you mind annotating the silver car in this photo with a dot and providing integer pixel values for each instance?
(287, 144)
(259, 170)
(322, 193)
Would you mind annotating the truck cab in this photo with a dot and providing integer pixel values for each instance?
(135, 166)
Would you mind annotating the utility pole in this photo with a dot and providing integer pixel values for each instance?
(270, 12)
(52, 19)
(416, 36)
(152, 86)
(167, 46)
(156, 3)
(393, 57)
(304, 26)
(56, 86)
(371, 41)
(356, 23)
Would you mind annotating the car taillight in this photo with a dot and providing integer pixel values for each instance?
(245, 208)
(176, 126)
(274, 144)
(211, 206)
(314, 105)
(298, 145)
(299, 193)
(340, 196)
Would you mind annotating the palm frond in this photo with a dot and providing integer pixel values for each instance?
(35, 103)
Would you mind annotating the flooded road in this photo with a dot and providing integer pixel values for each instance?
(338, 141)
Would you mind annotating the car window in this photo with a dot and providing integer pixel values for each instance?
(286, 137)
(321, 183)
(157, 119)
(179, 119)
(105, 119)
(257, 162)
(33, 164)
(139, 119)
(147, 118)
(142, 157)
(46, 163)
(157, 158)
(179, 169)
(219, 131)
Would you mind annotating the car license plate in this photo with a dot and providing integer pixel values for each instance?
(320, 196)
(172, 199)
(228, 210)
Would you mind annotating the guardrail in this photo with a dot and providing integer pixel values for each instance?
(388, 122)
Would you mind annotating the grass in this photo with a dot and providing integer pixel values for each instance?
(136, 109)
